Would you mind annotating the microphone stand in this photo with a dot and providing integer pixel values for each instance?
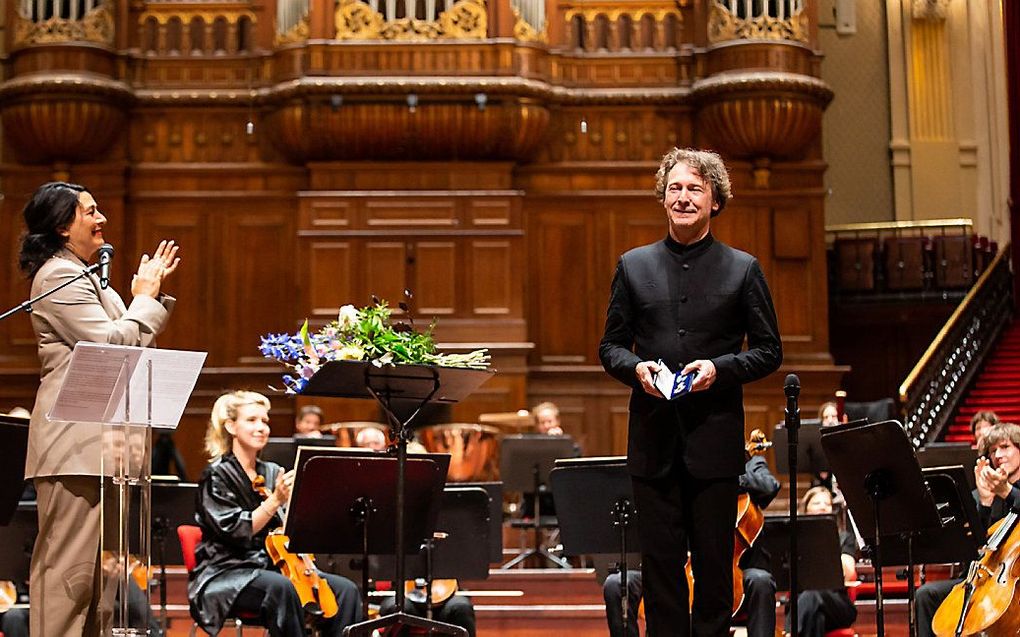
(792, 390)
(27, 305)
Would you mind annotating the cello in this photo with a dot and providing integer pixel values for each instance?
(749, 523)
(317, 598)
(988, 599)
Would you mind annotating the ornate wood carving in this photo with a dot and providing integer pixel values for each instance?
(62, 117)
(525, 32)
(502, 194)
(465, 20)
(724, 25)
(771, 110)
(96, 26)
(449, 126)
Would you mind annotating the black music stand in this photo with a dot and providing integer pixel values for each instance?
(947, 454)
(962, 533)
(810, 456)
(283, 449)
(495, 491)
(525, 463)
(594, 502)
(462, 555)
(883, 486)
(14, 442)
(173, 504)
(417, 384)
(818, 562)
(352, 515)
(17, 536)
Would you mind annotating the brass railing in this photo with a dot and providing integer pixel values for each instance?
(933, 389)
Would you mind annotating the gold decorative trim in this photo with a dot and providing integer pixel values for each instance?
(525, 32)
(612, 14)
(930, 10)
(96, 26)
(914, 224)
(164, 17)
(356, 20)
(465, 20)
(723, 26)
(297, 33)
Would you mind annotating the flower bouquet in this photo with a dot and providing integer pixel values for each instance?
(365, 334)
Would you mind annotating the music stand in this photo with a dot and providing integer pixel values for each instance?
(594, 499)
(173, 504)
(810, 454)
(947, 454)
(421, 384)
(462, 555)
(14, 442)
(525, 463)
(283, 449)
(883, 486)
(495, 491)
(818, 562)
(352, 516)
(961, 535)
(19, 532)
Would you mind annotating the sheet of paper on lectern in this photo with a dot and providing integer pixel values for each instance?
(95, 387)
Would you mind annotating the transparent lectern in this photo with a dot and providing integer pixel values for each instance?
(117, 394)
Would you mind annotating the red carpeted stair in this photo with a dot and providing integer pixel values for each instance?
(997, 387)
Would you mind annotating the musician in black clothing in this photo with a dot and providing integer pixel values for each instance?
(759, 586)
(234, 574)
(690, 302)
(820, 611)
(997, 475)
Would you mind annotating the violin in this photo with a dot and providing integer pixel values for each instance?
(8, 595)
(987, 600)
(442, 590)
(750, 521)
(416, 590)
(317, 598)
(140, 573)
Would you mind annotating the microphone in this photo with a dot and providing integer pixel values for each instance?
(792, 390)
(105, 257)
(791, 387)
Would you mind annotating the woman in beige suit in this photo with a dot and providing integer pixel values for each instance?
(64, 230)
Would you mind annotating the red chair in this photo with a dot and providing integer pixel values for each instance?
(189, 536)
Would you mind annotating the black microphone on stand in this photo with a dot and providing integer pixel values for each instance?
(105, 257)
(792, 390)
(791, 387)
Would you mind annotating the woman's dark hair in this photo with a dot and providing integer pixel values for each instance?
(50, 210)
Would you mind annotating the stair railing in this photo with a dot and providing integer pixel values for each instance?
(932, 391)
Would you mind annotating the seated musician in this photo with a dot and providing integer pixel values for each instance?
(371, 438)
(828, 416)
(997, 475)
(547, 419)
(759, 586)
(234, 574)
(308, 423)
(979, 424)
(820, 611)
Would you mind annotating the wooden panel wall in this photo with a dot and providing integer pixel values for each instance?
(289, 202)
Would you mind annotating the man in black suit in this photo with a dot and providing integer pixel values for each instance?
(690, 301)
(759, 603)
